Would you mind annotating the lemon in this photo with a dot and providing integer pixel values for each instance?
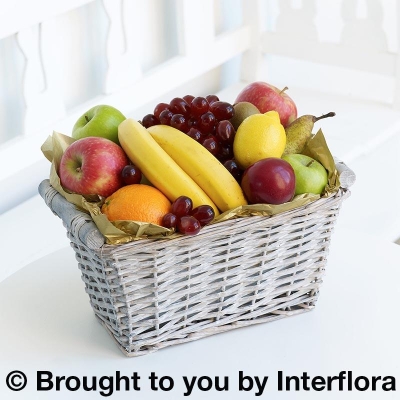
(274, 115)
(259, 136)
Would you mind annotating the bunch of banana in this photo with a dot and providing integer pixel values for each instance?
(158, 167)
(201, 166)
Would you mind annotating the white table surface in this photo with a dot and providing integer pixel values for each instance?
(47, 324)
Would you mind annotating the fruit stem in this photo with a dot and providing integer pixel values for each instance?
(330, 114)
(78, 169)
(283, 90)
(87, 119)
(309, 163)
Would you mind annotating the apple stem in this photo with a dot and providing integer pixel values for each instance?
(330, 114)
(283, 90)
(87, 119)
(79, 169)
(309, 163)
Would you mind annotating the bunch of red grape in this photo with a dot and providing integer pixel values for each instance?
(204, 119)
(186, 219)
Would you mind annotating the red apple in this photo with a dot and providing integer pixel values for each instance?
(92, 165)
(270, 180)
(267, 98)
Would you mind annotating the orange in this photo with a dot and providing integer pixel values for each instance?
(137, 203)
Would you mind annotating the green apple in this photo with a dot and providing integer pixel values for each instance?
(311, 176)
(101, 121)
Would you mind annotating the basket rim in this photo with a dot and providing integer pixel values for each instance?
(80, 223)
(340, 194)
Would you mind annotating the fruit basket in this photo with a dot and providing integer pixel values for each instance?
(150, 294)
(229, 225)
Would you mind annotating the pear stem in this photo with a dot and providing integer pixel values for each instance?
(330, 114)
(283, 90)
(87, 118)
(309, 163)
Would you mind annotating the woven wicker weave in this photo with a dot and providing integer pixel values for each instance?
(151, 294)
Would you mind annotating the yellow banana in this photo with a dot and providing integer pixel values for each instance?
(158, 167)
(201, 165)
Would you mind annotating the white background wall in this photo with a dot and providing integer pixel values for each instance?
(80, 52)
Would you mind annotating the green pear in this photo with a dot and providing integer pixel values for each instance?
(299, 131)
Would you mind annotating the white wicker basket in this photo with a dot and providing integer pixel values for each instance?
(151, 294)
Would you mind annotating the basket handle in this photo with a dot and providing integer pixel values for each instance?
(77, 222)
(347, 175)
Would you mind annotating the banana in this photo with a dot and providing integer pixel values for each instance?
(201, 166)
(158, 167)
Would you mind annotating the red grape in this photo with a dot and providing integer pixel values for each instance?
(211, 98)
(195, 134)
(225, 132)
(178, 121)
(189, 225)
(131, 175)
(192, 122)
(160, 107)
(182, 206)
(165, 117)
(179, 106)
(225, 152)
(169, 220)
(206, 123)
(150, 120)
(211, 145)
(222, 110)
(234, 169)
(204, 214)
(188, 98)
(199, 106)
